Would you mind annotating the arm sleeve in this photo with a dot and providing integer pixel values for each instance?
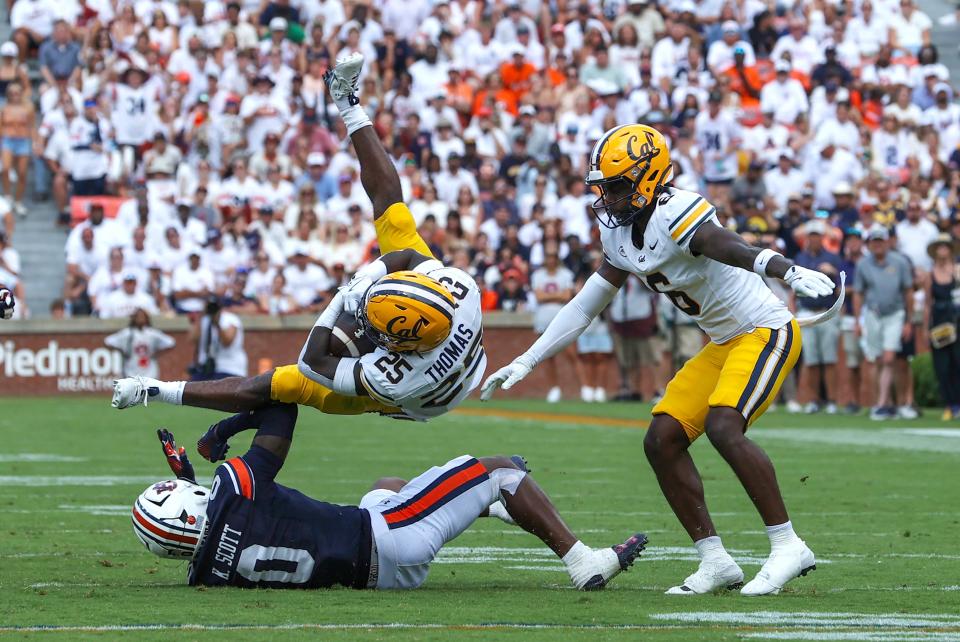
(573, 319)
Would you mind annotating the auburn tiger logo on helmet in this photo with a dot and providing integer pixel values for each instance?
(629, 165)
(407, 311)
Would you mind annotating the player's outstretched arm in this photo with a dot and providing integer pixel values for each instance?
(569, 324)
(720, 244)
(377, 173)
(274, 425)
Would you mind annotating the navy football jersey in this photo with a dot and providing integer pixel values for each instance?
(260, 534)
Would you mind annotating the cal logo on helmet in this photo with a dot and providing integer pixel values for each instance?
(407, 311)
(629, 165)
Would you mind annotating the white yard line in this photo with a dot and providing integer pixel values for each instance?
(44, 458)
(832, 620)
(74, 480)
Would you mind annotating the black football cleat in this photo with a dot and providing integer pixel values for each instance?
(624, 556)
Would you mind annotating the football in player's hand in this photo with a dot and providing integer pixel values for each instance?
(347, 340)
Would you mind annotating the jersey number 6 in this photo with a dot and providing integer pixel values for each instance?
(680, 299)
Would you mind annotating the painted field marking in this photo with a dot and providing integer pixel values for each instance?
(858, 636)
(953, 433)
(394, 626)
(541, 558)
(97, 509)
(814, 619)
(43, 458)
(74, 480)
(888, 439)
(495, 413)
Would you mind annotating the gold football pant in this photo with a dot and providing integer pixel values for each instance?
(396, 230)
(745, 373)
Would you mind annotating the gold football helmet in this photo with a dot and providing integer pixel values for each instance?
(406, 312)
(629, 166)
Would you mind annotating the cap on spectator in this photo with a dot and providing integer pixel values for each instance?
(715, 97)
(345, 178)
(260, 79)
(787, 153)
(193, 251)
(9, 49)
(203, 99)
(730, 26)
(807, 192)
(853, 231)
(265, 208)
(942, 239)
(688, 6)
(155, 264)
(782, 66)
(512, 273)
(89, 103)
(299, 249)
(183, 77)
(272, 136)
(739, 51)
(213, 234)
(232, 99)
(603, 87)
(129, 276)
(934, 70)
(831, 86)
(484, 112)
(557, 28)
(843, 188)
(522, 29)
(443, 123)
(516, 49)
(633, 2)
(793, 196)
(278, 23)
(528, 110)
(877, 232)
(755, 164)
(941, 86)
(183, 202)
(316, 158)
(356, 208)
(815, 226)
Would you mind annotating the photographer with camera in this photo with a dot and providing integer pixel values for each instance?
(7, 302)
(220, 351)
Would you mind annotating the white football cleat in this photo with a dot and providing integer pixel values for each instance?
(722, 573)
(129, 392)
(782, 566)
(343, 81)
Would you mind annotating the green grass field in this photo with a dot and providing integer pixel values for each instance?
(877, 503)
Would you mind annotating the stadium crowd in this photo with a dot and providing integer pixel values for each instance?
(825, 129)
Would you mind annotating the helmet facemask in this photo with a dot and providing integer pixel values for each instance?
(625, 204)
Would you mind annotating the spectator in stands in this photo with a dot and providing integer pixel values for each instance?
(821, 341)
(883, 299)
(139, 344)
(942, 315)
(11, 69)
(89, 161)
(852, 253)
(552, 287)
(60, 55)
(914, 235)
(32, 22)
(633, 326)
(127, 299)
(18, 128)
(192, 283)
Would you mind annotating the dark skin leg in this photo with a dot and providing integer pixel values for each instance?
(377, 173)
(667, 448)
(233, 394)
(725, 429)
(533, 511)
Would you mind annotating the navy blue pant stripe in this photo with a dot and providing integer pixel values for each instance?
(758, 370)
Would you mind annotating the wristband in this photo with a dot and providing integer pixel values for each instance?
(763, 259)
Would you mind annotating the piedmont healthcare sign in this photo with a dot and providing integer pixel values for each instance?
(59, 367)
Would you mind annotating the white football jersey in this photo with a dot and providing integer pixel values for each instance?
(725, 301)
(134, 113)
(430, 384)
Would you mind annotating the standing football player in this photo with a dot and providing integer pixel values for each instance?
(672, 240)
(249, 531)
(423, 318)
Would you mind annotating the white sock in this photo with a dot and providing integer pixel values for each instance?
(168, 391)
(578, 562)
(354, 116)
(710, 548)
(781, 535)
(499, 511)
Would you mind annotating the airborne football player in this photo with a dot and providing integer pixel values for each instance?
(671, 239)
(422, 317)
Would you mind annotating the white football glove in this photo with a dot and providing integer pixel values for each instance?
(507, 376)
(353, 293)
(7, 303)
(808, 282)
